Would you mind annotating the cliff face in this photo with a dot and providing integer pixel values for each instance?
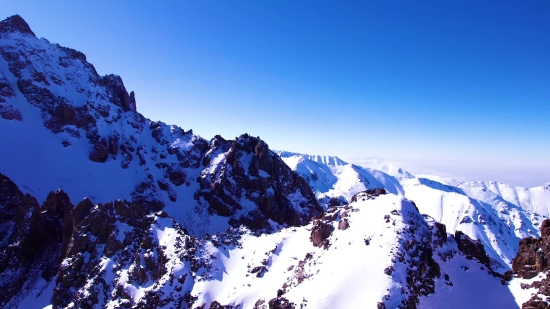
(531, 267)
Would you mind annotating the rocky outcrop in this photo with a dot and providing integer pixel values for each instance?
(343, 224)
(472, 249)
(533, 254)
(337, 201)
(281, 303)
(15, 23)
(253, 172)
(532, 259)
(9, 112)
(118, 94)
(368, 194)
(113, 145)
(32, 239)
(100, 152)
(320, 231)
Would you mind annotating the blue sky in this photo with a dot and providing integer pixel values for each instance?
(460, 88)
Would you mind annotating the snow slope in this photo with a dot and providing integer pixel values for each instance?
(318, 278)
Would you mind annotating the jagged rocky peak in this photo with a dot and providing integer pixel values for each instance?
(15, 23)
(245, 169)
(118, 94)
(32, 239)
(58, 80)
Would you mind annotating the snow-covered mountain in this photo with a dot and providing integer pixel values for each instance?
(101, 207)
(81, 133)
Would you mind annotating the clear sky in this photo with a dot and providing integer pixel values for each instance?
(460, 88)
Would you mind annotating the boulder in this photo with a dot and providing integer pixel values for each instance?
(99, 153)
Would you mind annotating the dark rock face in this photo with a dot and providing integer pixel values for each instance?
(9, 112)
(535, 303)
(15, 23)
(281, 303)
(100, 152)
(31, 239)
(343, 224)
(113, 145)
(320, 231)
(368, 194)
(533, 257)
(471, 249)
(337, 201)
(118, 94)
(251, 168)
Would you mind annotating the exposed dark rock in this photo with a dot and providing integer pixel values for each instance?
(343, 224)
(113, 144)
(533, 257)
(217, 305)
(281, 303)
(100, 152)
(535, 303)
(259, 271)
(320, 231)
(368, 194)
(265, 180)
(118, 94)
(255, 220)
(15, 23)
(32, 238)
(177, 177)
(441, 231)
(337, 201)
(9, 112)
(472, 249)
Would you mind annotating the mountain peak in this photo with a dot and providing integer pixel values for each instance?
(15, 23)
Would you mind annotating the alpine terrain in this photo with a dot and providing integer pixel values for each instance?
(101, 207)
